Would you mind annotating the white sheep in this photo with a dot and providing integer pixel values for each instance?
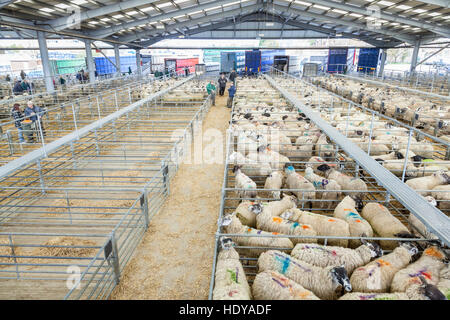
(376, 276)
(323, 225)
(296, 181)
(276, 208)
(271, 285)
(359, 227)
(323, 148)
(242, 181)
(325, 283)
(233, 225)
(384, 224)
(429, 265)
(396, 167)
(325, 256)
(357, 185)
(247, 210)
(442, 196)
(274, 181)
(421, 229)
(230, 280)
(332, 188)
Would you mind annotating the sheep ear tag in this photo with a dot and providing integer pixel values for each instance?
(225, 221)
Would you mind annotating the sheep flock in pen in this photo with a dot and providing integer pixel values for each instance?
(302, 226)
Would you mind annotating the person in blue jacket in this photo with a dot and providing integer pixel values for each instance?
(231, 92)
(32, 111)
(18, 89)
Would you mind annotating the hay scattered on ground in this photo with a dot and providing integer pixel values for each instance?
(66, 251)
(7, 251)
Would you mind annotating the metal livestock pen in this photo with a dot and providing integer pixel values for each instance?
(383, 187)
(72, 212)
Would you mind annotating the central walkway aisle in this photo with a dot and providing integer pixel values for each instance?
(174, 260)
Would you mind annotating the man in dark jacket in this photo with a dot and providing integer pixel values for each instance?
(32, 111)
(231, 92)
(17, 115)
(233, 76)
(18, 89)
(222, 84)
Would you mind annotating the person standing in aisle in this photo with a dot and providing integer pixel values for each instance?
(211, 89)
(17, 115)
(22, 74)
(233, 76)
(231, 92)
(18, 88)
(32, 111)
(222, 84)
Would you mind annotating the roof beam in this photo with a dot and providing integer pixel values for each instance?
(189, 23)
(441, 3)
(4, 3)
(445, 32)
(113, 29)
(62, 23)
(355, 25)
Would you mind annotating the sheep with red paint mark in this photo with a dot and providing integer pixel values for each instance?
(230, 280)
(325, 283)
(325, 256)
(429, 265)
(271, 285)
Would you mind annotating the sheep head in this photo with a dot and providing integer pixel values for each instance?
(340, 279)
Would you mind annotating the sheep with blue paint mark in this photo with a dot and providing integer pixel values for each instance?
(245, 183)
(271, 285)
(326, 256)
(323, 225)
(326, 283)
(296, 181)
(359, 227)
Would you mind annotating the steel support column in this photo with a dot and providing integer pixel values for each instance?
(138, 62)
(117, 56)
(45, 62)
(90, 61)
(382, 62)
(415, 56)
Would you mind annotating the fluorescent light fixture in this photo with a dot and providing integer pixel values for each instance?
(180, 1)
(321, 7)
(196, 12)
(117, 16)
(165, 4)
(269, 24)
(181, 36)
(231, 3)
(105, 19)
(379, 39)
(434, 14)
(419, 10)
(355, 15)
(147, 9)
(339, 11)
(132, 13)
(338, 34)
(178, 17)
(47, 9)
(403, 7)
(60, 5)
(93, 22)
(213, 8)
(261, 35)
(79, 1)
(159, 26)
(386, 3)
(303, 3)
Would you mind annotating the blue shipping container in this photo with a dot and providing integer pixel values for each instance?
(267, 58)
(337, 60)
(253, 61)
(368, 60)
(232, 60)
(104, 66)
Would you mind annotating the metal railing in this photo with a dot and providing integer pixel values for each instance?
(92, 194)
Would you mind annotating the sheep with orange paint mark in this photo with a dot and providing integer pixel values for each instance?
(346, 210)
(265, 221)
(429, 265)
(376, 276)
(271, 285)
(323, 225)
(232, 224)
